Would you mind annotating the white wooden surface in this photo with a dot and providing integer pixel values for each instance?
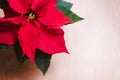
(94, 45)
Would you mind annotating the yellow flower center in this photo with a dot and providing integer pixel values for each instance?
(31, 16)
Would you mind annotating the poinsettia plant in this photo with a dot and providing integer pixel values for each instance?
(33, 29)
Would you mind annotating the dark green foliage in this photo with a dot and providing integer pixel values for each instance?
(65, 8)
(3, 3)
(65, 4)
(42, 60)
(18, 51)
(4, 47)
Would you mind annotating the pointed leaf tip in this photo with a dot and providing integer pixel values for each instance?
(18, 52)
(42, 61)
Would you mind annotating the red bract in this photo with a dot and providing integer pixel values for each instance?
(35, 24)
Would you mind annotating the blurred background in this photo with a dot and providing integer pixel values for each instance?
(94, 44)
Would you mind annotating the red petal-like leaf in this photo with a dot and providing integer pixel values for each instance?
(28, 36)
(53, 16)
(9, 13)
(8, 32)
(38, 4)
(26, 4)
(51, 41)
(9, 37)
(17, 5)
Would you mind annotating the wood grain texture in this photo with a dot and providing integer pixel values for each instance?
(11, 70)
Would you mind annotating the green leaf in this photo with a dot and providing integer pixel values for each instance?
(4, 47)
(3, 3)
(18, 51)
(65, 4)
(70, 14)
(42, 60)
